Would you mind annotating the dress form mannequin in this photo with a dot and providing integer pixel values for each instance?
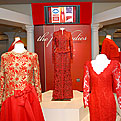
(100, 63)
(108, 36)
(18, 47)
(62, 28)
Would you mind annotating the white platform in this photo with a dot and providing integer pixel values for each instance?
(64, 110)
(67, 110)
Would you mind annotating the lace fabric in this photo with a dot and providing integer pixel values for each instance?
(101, 101)
(62, 54)
(17, 73)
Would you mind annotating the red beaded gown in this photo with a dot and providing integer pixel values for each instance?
(62, 53)
(20, 89)
(101, 101)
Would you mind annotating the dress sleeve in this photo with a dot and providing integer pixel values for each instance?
(2, 79)
(86, 86)
(71, 46)
(37, 78)
(53, 48)
(114, 54)
(117, 80)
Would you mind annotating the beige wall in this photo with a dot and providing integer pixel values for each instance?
(26, 8)
(101, 7)
(21, 8)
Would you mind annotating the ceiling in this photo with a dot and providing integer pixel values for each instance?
(8, 28)
(115, 26)
(42, 1)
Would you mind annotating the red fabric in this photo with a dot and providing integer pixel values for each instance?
(101, 101)
(12, 45)
(85, 11)
(17, 71)
(110, 49)
(120, 57)
(23, 106)
(62, 53)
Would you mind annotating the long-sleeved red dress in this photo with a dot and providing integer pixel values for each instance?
(110, 49)
(20, 89)
(101, 101)
(62, 54)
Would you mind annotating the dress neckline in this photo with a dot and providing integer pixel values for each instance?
(103, 69)
(62, 30)
(15, 53)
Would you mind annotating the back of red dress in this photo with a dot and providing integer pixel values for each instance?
(110, 49)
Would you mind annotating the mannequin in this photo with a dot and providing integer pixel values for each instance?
(108, 36)
(100, 63)
(62, 29)
(18, 47)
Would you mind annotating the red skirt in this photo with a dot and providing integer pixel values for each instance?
(22, 106)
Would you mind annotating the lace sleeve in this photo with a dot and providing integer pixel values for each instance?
(117, 81)
(37, 78)
(86, 86)
(71, 46)
(2, 79)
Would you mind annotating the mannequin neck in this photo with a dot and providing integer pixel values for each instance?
(108, 36)
(62, 28)
(101, 57)
(100, 63)
(19, 48)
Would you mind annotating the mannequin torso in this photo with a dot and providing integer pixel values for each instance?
(100, 63)
(18, 47)
(108, 36)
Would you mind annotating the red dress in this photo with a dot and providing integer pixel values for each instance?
(101, 101)
(20, 91)
(110, 49)
(62, 53)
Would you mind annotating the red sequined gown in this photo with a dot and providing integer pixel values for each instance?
(62, 53)
(110, 49)
(101, 101)
(20, 89)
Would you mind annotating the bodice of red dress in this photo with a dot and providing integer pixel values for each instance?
(62, 43)
(110, 49)
(18, 70)
(101, 100)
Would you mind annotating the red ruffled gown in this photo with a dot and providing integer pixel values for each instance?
(62, 53)
(110, 49)
(101, 101)
(20, 89)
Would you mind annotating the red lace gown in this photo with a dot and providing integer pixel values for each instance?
(62, 52)
(110, 49)
(101, 101)
(20, 89)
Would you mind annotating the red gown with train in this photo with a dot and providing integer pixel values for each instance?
(62, 54)
(20, 89)
(98, 94)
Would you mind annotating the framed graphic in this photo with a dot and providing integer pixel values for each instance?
(62, 14)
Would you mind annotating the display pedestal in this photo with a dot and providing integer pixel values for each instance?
(64, 110)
